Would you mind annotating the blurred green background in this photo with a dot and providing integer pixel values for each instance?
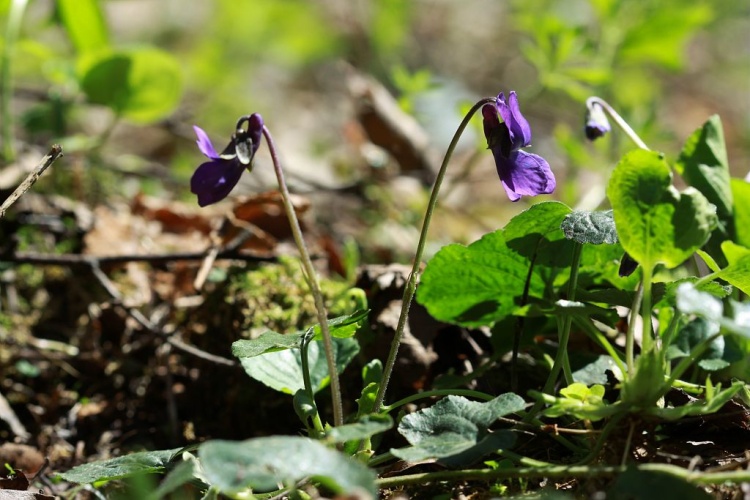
(120, 82)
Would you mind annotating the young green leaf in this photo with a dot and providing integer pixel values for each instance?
(699, 407)
(596, 371)
(737, 272)
(704, 165)
(141, 84)
(145, 462)
(270, 341)
(262, 464)
(693, 301)
(282, 370)
(741, 196)
(84, 22)
(456, 430)
(365, 427)
(655, 223)
(590, 227)
(719, 354)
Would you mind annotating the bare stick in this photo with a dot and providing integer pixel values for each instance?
(150, 326)
(54, 154)
(88, 260)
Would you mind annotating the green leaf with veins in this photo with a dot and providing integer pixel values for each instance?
(145, 462)
(656, 223)
(456, 430)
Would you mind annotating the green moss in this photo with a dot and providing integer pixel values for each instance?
(276, 297)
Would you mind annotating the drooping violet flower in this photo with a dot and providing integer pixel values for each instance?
(215, 179)
(597, 123)
(522, 173)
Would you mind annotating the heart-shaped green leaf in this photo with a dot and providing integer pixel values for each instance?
(145, 462)
(270, 341)
(282, 370)
(475, 285)
(263, 463)
(655, 222)
(482, 283)
(141, 84)
(456, 430)
(365, 427)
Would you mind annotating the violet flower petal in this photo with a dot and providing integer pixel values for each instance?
(204, 143)
(518, 127)
(524, 174)
(214, 180)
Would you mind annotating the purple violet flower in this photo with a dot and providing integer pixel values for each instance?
(522, 173)
(215, 179)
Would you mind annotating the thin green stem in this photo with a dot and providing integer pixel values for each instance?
(305, 365)
(647, 341)
(562, 348)
(563, 471)
(602, 340)
(437, 392)
(520, 322)
(618, 120)
(411, 284)
(630, 335)
(12, 30)
(312, 276)
(687, 361)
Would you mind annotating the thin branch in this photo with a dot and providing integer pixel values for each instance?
(138, 316)
(92, 260)
(54, 154)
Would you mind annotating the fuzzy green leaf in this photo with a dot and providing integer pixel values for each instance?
(365, 427)
(267, 341)
(262, 463)
(145, 462)
(590, 227)
(456, 430)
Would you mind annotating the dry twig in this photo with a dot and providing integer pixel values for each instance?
(54, 154)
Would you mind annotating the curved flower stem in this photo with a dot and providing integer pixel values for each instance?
(411, 284)
(12, 29)
(312, 278)
(618, 120)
